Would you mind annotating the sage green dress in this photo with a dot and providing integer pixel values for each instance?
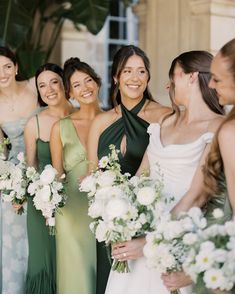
(75, 243)
(216, 201)
(41, 272)
(137, 139)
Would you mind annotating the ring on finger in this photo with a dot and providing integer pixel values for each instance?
(124, 254)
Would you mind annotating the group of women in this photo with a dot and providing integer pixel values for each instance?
(189, 141)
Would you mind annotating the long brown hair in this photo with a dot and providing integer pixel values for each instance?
(214, 164)
(119, 62)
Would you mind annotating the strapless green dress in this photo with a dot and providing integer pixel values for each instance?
(41, 272)
(75, 243)
(217, 201)
(137, 139)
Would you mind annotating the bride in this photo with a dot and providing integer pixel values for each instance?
(179, 144)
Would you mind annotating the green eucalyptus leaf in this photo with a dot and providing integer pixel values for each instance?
(15, 23)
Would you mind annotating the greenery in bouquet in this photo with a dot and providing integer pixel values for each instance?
(48, 194)
(3, 145)
(121, 207)
(211, 259)
(167, 247)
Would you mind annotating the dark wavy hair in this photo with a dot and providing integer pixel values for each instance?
(75, 64)
(51, 67)
(214, 164)
(196, 61)
(119, 62)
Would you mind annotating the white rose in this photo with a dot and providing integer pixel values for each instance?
(190, 238)
(44, 193)
(230, 228)
(48, 175)
(101, 231)
(116, 208)
(218, 213)
(106, 178)
(20, 157)
(51, 221)
(96, 209)
(88, 184)
(146, 195)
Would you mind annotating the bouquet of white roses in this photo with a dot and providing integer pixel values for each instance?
(211, 260)
(167, 247)
(49, 194)
(13, 182)
(122, 208)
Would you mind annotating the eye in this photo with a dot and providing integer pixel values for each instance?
(126, 71)
(55, 81)
(76, 85)
(142, 71)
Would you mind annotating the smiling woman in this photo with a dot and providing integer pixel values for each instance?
(41, 273)
(75, 244)
(125, 126)
(18, 102)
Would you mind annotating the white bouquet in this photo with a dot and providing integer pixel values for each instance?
(211, 260)
(167, 247)
(122, 208)
(13, 182)
(49, 194)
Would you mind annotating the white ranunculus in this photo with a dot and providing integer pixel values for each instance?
(230, 228)
(44, 193)
(103, 193)
(146, 195)
(32, 188)
(106, 178)
(48, 175)
(116, 208)
(218, 213)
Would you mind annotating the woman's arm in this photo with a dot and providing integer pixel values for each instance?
(226, 140)
(144, 166)
(3, 149)
(30, 137)
(196, 195)
(56, 148)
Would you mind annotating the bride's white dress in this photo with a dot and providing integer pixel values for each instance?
(178, 164)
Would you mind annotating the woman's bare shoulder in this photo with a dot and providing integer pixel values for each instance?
(156, 111)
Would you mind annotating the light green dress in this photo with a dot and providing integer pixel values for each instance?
(75, 244)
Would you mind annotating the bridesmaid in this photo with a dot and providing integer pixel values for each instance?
(75, 244)
(124, 126)
(219, 170)
(41, 273)
(18, 101)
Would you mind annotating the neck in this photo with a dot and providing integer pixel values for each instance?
(60, 111)
(130, 103)
(89, 111)
(10, 91)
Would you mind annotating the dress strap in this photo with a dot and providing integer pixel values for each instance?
(137, 108)
(38, 129)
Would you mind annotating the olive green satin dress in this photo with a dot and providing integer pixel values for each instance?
(75, 243)
(216, 201)
(137, 139)
(41, 272)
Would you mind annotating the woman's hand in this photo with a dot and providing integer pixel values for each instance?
(17, 206)
(128, 250)
(176, 280)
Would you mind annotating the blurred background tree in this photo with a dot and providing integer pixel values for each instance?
(32, 27)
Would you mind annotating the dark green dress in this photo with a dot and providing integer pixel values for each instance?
(41, 272)
(137, 139)
(216, 201)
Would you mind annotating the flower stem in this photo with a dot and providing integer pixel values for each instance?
(121, 266)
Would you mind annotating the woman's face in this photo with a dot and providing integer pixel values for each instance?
(7, 71)
(133, 78)
(222, 80)
(50, 87)
(83, 88)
